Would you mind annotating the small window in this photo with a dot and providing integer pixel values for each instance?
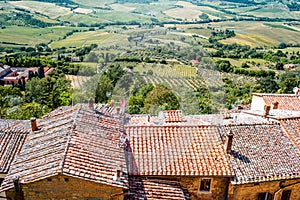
(205, 185)
(265, 196)
(286, 194)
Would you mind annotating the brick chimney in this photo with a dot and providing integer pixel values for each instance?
(91, 103)
(275, 105)
(229, 141)
(33, 124)
(117, 175)
(118, 110)
(267, 110)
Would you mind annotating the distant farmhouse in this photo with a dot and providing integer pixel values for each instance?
(11, 76)
(92, 151)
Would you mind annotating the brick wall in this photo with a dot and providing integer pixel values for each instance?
(250, 191)
(67, 188)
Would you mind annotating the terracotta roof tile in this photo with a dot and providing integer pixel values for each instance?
(156, 189)
(262, 153)
(12, 137)
(173, 115)
(285, 101)
(292, 126)
(177, 150)
(77, 142)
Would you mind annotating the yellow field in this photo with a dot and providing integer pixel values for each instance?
(92, 37)
(250, 40)
(258, 34)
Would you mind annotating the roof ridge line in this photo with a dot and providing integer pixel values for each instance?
(61, 166)
(289, 134)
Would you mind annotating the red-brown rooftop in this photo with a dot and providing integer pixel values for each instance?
(177, 150)
(78, 142)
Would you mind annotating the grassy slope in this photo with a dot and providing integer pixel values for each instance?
(49, 9)
(258, 34)
(32, 36)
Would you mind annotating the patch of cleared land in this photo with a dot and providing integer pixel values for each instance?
(94, 3)
(82, 10)
(186, 11)
(121, 7)
(48, 9)
(77, 81)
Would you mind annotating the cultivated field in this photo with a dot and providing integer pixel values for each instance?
(166, 70)
(49, 9)
(94, 3)
(92, 37)
(253, 63)
(258, 34)
(175, 83)
(32, 36)
(122, 8)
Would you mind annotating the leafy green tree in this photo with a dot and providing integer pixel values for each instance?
(41, 73)
(268, 85)
(135, 104)
(49, 91)
(28, 110)
(104, 87)
(204, 100)
(7, 96)
(288, 84)
(163, 97)
(136, 101)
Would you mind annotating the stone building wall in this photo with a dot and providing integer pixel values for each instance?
(251, 191)
(67, 188)
(218, 189)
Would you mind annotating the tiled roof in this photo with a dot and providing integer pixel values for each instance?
(141, 188)
(243, 117)
(286, 101)
(12, 137)
(147, 120)
(292, 127)
(262, 153)
(78, 142)
(173, 115)
(176, 150)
